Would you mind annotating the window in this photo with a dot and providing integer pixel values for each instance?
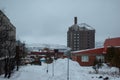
(85, 58)
(74, 48)
(77, 48)
(100, 57)
(74, 34)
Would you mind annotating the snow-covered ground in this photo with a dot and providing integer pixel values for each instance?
(76, 72)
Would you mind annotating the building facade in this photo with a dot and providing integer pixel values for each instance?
(7, 40)
(88, 56)
(80, 36)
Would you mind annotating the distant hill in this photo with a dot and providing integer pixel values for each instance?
(38, 46)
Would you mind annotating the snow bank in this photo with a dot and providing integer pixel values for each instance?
(76, 72)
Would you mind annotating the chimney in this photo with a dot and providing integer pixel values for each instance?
(75, 20)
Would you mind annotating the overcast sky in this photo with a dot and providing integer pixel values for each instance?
(47, 21)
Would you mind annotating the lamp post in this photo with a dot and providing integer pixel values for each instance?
(53, 67)
(47, 57)
(67, 52)
(68, 70)
(47, 68)
(54, 58)
(47, 64)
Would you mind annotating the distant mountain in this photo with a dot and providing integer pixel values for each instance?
(38, 46)
(99, 44)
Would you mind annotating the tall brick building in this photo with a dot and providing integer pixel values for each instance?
(80, 36)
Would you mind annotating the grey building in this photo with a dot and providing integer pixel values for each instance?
(7, 40)
(80, 36)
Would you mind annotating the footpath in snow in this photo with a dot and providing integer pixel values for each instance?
(76, 72)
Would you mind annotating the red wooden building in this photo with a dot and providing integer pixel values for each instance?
(88, 56)
(115, 42)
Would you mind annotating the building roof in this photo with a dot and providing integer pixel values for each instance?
(86, 26)
(108, 42)
(112, 42)
(82, 26)
(89, 51)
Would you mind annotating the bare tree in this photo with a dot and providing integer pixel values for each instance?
(7, 43)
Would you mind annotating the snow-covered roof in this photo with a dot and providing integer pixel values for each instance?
(86, 26)
(93, 50)
(82, 26)
(75, 27)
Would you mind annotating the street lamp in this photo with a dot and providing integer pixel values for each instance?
(68, 54)
(53, 67)
(47, 57)
(54, 58)
(47, 64)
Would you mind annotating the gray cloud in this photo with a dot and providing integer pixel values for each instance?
(47, 21)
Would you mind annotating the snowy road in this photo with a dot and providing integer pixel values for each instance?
(35, 72)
